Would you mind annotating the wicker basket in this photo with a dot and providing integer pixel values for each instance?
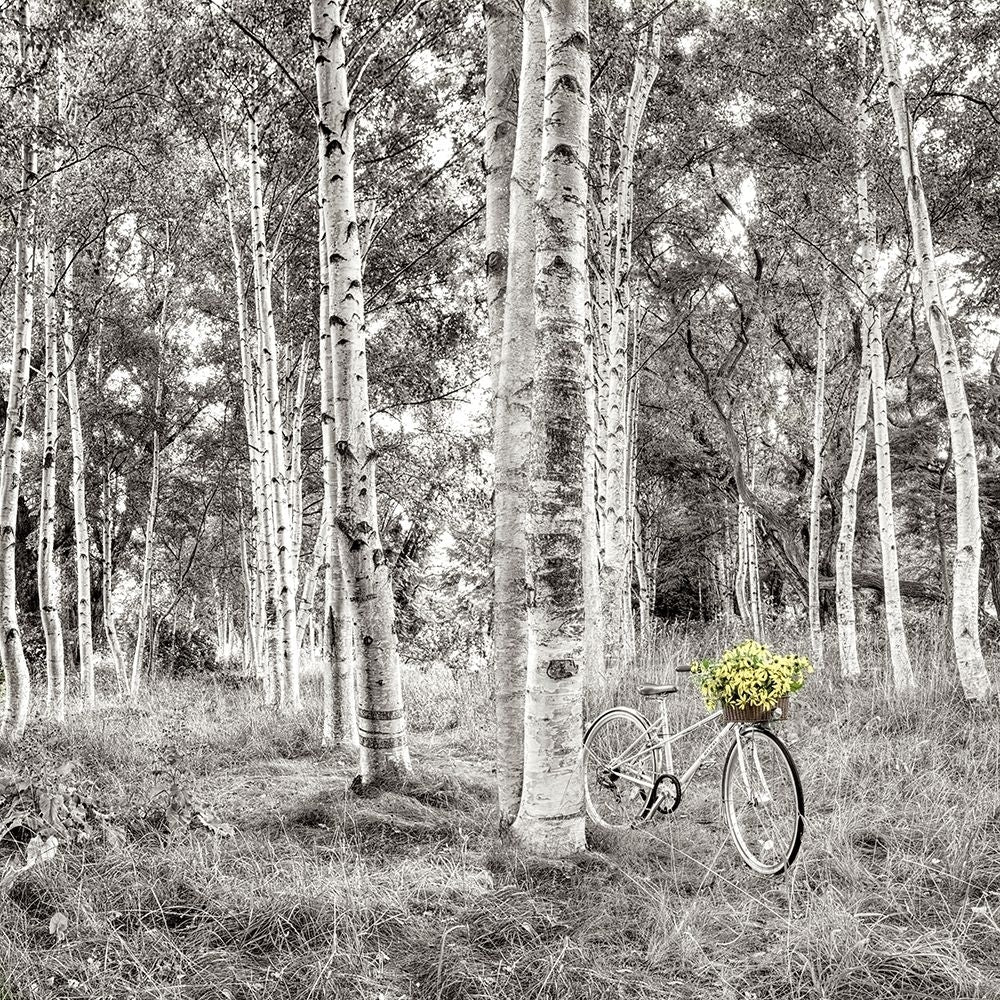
(730, 713)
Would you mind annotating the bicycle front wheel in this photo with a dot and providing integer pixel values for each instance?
(762, 801)
(619, 762)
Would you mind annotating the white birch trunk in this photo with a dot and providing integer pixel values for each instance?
(847, 632)
(339, 709)
(550, 820)
(48, 580)
(257, 448)
(17, 681)
(285, 597)
(78, 488)
(144, 611)
(110, 626)
(503, 66)
(381, 718)
(816, 492)
(615, 579)
(965, 574)
(512, 427)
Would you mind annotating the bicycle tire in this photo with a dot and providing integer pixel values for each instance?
(783, 855)
(602, 786)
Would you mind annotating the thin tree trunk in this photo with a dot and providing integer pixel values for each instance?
(274, 427)
(78, 482)
(615, 579)
(899, 654)
(17, 686)
(48, 580)
(146, 587)
(965, 573)
(110, 626)
(847, 633)
(512, 427)
(503, 67)
(816, 492)
(381, 719)
(550, 819)
(257, 450)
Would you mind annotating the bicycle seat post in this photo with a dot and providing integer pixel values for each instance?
(667, 755)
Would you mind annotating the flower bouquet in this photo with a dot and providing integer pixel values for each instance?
(750, 682)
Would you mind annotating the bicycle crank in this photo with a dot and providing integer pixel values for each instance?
(665, 799)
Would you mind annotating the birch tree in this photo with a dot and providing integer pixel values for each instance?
(381, 718)
(78, 479)
(285, 599)
(17, 681)
(902, 671)
(616, 542)
(512, 424)
(48, 578)
(816, 490)
(550, 819)
(847, 632)
(968, 551)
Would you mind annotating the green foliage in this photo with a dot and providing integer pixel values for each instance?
(750, 676)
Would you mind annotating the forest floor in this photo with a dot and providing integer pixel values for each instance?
(211, 849)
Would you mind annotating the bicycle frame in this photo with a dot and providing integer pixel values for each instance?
(659, 738)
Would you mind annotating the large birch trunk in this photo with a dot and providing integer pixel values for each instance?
(339, 710)
(816, 492)
(285, 596)
(17, 681)
(965, 574)
(550, 819)
(48, 579)
(381, 719)
(512, 427)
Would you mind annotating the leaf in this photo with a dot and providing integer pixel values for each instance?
(41, 850)
(58, 925)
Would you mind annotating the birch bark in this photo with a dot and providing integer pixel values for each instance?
(512, 426)
(17, 686)
(285, 597)
(339, 710)
(899, 654)
(381, 718)
(847, 632)
(78, 481)
(615, 579)
(968, 552)
(48, 579)
(260, 485)
(503, 67)
(816, 492)
(550, 819)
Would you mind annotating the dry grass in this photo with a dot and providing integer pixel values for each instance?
(321, 893)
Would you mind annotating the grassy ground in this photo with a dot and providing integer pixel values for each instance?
(213, 850)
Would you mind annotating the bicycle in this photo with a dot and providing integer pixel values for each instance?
(630, 779)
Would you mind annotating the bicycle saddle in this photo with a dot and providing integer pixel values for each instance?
(656, 690)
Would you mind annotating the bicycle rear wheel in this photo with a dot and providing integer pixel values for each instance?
(619, 763)
(762, 801)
